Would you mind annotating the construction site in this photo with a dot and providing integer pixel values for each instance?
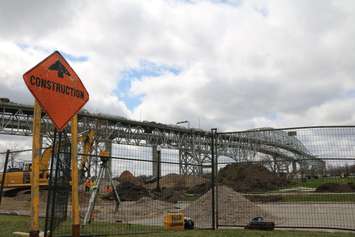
(134, 176)
(177, 118)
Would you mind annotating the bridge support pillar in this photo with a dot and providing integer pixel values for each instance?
(108, 148)
(189, 163)
(180, 163)
(156, 164)
(294, 167)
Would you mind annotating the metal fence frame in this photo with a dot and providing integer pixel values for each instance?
(217, 135)
(329, 133)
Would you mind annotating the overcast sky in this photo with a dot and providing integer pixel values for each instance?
(228, 64)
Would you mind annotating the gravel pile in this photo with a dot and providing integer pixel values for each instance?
(233, 209)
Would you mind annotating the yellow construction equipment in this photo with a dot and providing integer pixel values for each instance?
(174, 220)
(88, 142)
(20, 177)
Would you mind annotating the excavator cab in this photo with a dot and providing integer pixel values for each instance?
(27, 168)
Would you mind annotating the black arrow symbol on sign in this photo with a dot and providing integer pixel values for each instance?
(59, 67)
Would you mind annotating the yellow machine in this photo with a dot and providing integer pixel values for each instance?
(88, 142)
(174, 220)
(20, 177)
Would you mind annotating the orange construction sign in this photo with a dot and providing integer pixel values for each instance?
(57, 88)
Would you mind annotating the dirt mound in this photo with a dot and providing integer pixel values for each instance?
(199, 189)
(127, 191)
(145, 208)
(177, 181)
(250, 178)
(131, 192)
(127, 176)
(233, 209)
(169, 195)
(144, 211)
(336, 188)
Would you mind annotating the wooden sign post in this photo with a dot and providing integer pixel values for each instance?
(61, 94)
(36, 156)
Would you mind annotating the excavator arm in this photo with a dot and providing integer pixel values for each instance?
(88, 142)
(21, 178)
(86, 138)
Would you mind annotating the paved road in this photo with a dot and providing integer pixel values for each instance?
(333, 215)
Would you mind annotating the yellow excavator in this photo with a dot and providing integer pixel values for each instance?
(88, 142)
(20, 177)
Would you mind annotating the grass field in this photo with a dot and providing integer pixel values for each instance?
(331, 197)
(245, 233)
(9, 224)
(311, 197)
(315, 183)
(304, 197)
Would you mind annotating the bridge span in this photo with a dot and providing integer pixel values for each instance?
(194, 145)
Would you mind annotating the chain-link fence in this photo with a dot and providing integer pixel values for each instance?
(297, 177)
(15, 180)
(59, 185)
(133, 189)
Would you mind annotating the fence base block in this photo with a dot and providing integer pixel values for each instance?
(34, 233)
(76, 230)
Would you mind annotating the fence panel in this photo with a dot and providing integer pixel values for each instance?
(16, 199)
(146, 192)
(297, 177)
(59, 189)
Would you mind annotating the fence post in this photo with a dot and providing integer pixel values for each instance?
(158, 167)
(50, 186)
(74, 178)
(216, 175)
(36, 156)
(55, 184)
(213, 181)
(4, 174)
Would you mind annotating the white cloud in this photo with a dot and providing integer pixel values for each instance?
(243, 65)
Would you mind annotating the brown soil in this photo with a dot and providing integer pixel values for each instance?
(233, 209)
(199, 189)
(129, 211)
(127, 176)
(131, 192)
(169, 195)
(177, 181)
(21, 203)
(144, 208)
(250, 177)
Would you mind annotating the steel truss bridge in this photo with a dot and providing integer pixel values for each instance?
(194, 145)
